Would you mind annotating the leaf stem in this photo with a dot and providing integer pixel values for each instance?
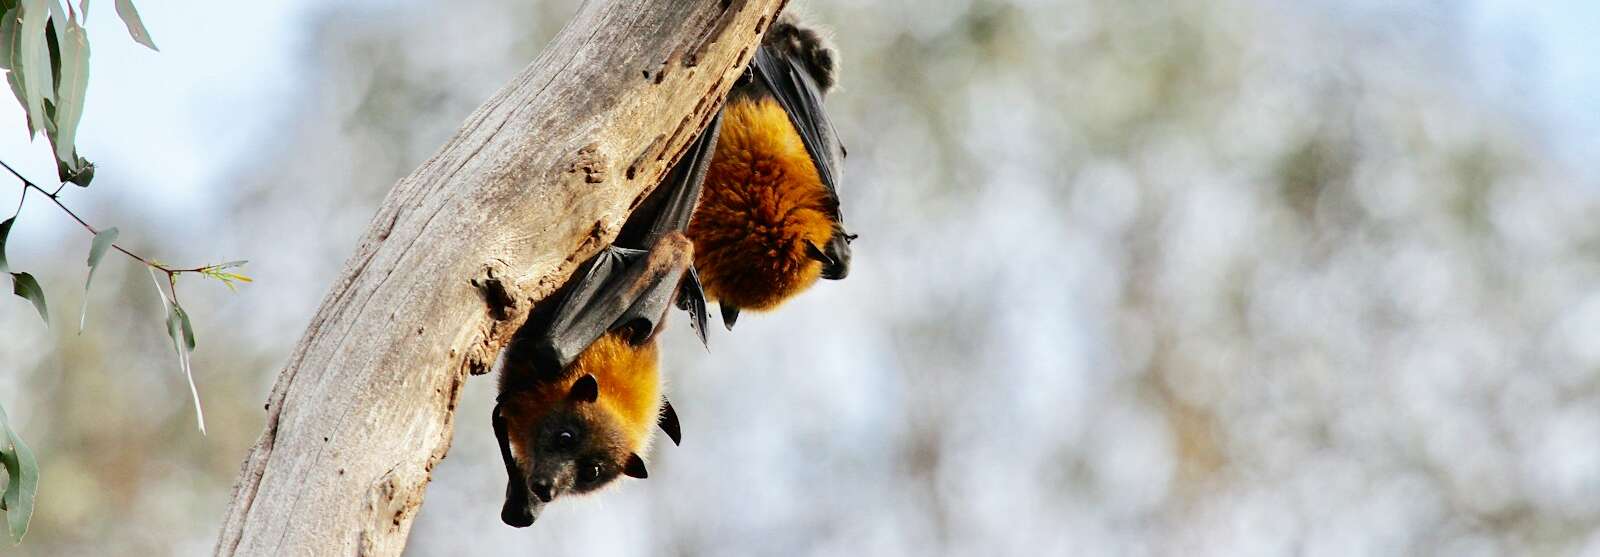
(24, 199)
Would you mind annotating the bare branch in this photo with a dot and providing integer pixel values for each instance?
(366, 404)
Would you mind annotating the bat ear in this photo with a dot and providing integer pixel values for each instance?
(730, 314)
(634, 468)
(585, 389)
(669, 423)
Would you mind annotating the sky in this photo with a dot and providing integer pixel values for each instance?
(196, 106)
(1156, 226)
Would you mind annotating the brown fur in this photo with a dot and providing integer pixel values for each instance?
(763, 201)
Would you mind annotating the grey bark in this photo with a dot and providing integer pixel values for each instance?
(534, 182)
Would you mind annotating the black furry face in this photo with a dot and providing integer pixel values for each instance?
(575, 452)
(571, 446)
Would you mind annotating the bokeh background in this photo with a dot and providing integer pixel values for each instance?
(1185, 277)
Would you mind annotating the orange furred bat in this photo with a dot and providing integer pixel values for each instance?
(571, 423)
(748, 217)
(577, 432)
(763, 210)
(768, 224)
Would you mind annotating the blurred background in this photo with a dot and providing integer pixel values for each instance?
(1186, 277)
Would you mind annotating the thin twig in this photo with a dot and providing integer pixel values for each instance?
(55, 198)
(20, 201)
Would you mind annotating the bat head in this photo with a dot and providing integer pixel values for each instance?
(559, 445)
(795, 40)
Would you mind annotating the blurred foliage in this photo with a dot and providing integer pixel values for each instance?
(1134, 277)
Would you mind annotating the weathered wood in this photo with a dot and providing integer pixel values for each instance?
(535, 181)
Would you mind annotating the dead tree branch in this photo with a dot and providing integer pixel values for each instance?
(535, 181)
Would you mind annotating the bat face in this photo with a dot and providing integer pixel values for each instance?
(557, 447)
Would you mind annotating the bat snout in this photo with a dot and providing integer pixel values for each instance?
(521, 514)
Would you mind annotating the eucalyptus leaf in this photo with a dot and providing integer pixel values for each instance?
(130, 17)
(52, 39)
(102, 243)
(5, 230)
(78, 172)
(97, 250)
(178, 327)
(8, 28)
(23, 486)
(55, 10)
(183, 320)
(22, 284)
(183, 343)
(33, 61)
(72, 85)
(12, 30)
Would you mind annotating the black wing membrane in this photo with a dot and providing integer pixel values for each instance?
(632, 282)
(622, 288)
(797, 92)
(800, 96)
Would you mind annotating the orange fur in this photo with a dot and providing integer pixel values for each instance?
(762, 202)
(630, 387)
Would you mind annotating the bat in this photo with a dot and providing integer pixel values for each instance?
(580, 389)
(769, 225)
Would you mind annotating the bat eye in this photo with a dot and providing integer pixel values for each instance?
(589, 472)
(565, 439)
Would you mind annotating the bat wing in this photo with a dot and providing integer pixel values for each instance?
(631, 282)
(800, 96)
(621, 288)
(669, 209)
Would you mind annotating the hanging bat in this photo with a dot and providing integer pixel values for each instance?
(769, 224)
(580, 390)
(580, 387)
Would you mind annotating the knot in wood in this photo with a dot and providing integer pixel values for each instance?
(497, 292)
(591, 162)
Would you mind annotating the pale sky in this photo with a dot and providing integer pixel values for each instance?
(172, 122)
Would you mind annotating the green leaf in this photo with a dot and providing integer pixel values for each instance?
(178, 328)
(22, 284)
(5, 230)
(72, 85)
(80, 172)
(8, 29)
(33, 62)
(11, 30)
(130, 16)
(183, 321)
(23, 486)
(52, 39)
(102, 242)
(97, 250)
